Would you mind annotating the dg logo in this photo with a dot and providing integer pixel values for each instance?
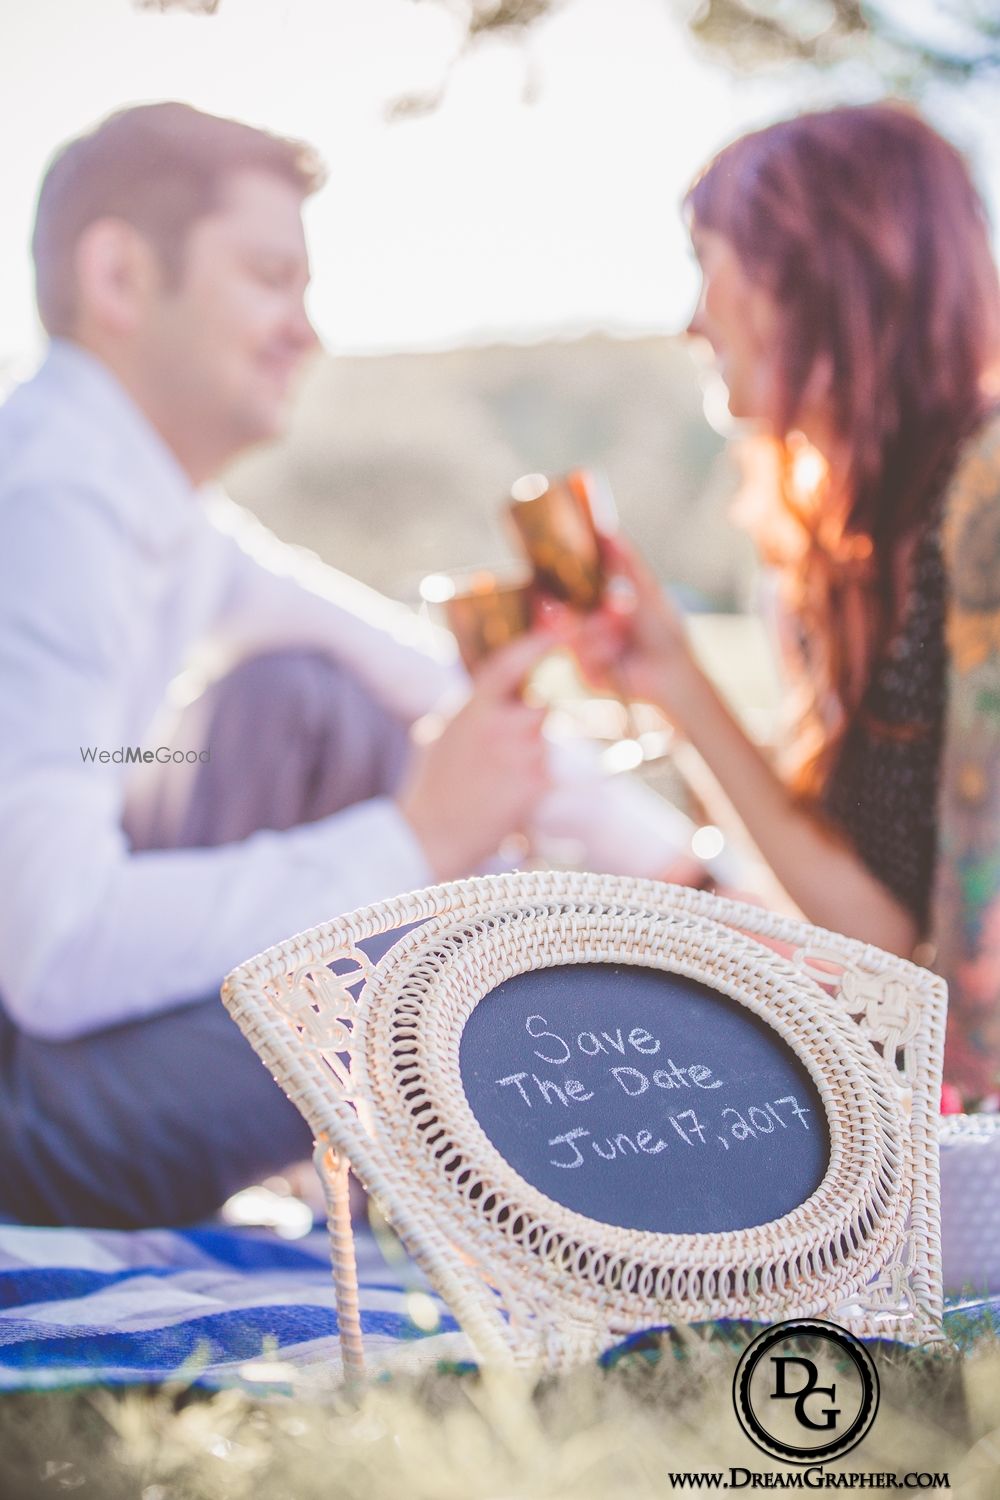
(806, 1390)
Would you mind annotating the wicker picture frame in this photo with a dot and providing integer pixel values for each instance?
(368, 1051)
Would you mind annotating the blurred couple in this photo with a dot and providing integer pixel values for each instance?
(144, 853)
(850, 299)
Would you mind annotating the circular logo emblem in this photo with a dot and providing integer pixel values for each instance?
(806, 1390)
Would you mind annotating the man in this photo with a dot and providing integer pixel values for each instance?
(171, 274)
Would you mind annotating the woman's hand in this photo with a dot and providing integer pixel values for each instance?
(635, 645)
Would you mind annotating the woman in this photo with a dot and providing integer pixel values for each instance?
(852, 305)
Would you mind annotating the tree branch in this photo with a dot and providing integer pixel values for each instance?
(748, 34)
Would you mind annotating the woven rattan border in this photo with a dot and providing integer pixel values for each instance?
(529, 1280)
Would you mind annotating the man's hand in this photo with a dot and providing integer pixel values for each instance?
(481, 778)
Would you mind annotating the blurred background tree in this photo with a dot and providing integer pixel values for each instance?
(466, 421)
(909, 42)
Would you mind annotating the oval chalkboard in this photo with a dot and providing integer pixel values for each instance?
(644, 1099)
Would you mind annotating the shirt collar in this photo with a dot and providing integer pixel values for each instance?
(157, 501)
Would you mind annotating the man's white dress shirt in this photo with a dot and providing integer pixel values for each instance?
(116, 576)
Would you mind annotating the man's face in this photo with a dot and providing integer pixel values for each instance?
(221, 348)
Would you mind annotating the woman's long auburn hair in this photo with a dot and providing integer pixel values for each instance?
(865, 228)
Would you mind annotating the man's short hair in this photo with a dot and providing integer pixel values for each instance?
(159, 167)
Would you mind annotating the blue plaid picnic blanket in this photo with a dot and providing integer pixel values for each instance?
(214, 1306)
(220, 1306)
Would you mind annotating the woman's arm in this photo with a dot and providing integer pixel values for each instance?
(966, 904)
(646, 651)
(822, 874)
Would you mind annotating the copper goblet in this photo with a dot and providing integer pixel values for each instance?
(554, 525)
(484, 610)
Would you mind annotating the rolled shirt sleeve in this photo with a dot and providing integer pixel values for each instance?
(608, 824)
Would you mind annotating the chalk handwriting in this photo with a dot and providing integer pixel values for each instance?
(760, 1119)
(591, 1043)
(682, 1130)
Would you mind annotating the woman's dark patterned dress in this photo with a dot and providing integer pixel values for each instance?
(917, 786)
(883, 792)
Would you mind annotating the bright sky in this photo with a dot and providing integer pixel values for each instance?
(493, 217)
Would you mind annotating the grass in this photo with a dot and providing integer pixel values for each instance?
(585, 1436)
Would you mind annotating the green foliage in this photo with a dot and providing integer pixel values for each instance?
(953, 40)
(198, 7)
